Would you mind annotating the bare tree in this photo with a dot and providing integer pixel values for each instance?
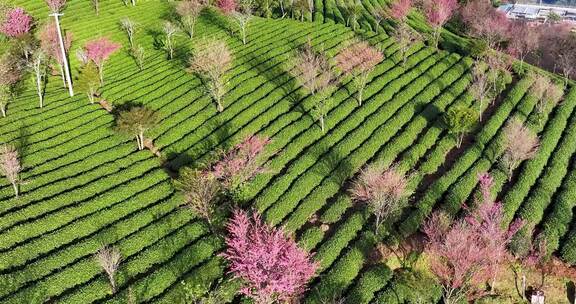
(358, 61)
(520, 144)
(405, 37)
(200, 190)
(243, 15)
(169, 31)
(37, 65)
(211, 62)
(539, 86)
(314, 74)
(189, 11)
(130, 27)
(10, 165)
(109, 259)
(479, 87)
(551, 97)
(139, 54)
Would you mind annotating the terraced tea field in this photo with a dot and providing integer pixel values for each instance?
(86, 186)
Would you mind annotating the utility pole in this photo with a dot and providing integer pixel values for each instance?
(63, 52)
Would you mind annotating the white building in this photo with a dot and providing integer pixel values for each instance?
(540, 13)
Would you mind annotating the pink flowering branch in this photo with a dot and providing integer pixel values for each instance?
(271, 265)
(240, 164)
(55, 6)
(50, 44)
(16, 23)
(10, 166)
(227, 6)
(471, 251)
(399, 10)
(438, 13)
(358, 61)
(98, 51)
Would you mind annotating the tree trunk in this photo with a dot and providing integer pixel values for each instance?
(460, 140)
(360, 93)
(138, 142)
(3, 110)
(112, 283)
(480, 110)
(523, 285)
(322, 123)
(63, 76)
(39, 89)
(133, 2)
(15, 186)
(101, 74)
(219, 106)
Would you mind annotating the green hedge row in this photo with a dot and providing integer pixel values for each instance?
(338, 155)
(153, 219)
(406, 134)
(557, 146)
(436, 190)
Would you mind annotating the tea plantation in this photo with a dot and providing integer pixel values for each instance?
(85, 186)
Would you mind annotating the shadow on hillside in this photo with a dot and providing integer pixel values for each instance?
(189, 156)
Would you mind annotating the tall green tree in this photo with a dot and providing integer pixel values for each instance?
(88, 81)
(460, 120)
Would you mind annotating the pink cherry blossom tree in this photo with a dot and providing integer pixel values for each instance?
(399, 10)
(524, 40)
(313, 72)
(10, 74)
(16, 23)
(358, 61)
(98, 51)
(438, 13)
(485, 22)
(520, 144)
(469, 252)
(488, 220)
(10, 166)
(55, 6)
(227, 6)
(50, 43)
(240, 11)
(383, 189)
(271, 265)
(241, 163)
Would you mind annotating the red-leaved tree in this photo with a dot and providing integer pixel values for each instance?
(16, 23)
(98, 51)
(438, 13)
(271, 265)
(241, 164)
(358, 61)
